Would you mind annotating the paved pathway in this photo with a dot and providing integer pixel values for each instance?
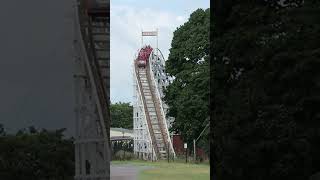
(125, 171)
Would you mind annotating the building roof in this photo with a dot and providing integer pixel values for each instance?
(120, 132)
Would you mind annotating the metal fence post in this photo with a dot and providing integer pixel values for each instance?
(194, 150)
(168, 154)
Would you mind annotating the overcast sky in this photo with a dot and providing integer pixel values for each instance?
(36, 65)
(128, 18)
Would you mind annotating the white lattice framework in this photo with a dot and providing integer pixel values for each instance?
(160, 80)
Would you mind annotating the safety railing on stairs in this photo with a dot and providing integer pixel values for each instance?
(157, 107)
(169, 143)
(146, 112)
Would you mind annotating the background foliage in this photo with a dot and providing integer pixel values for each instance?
(266, 88)
(37, 155)
(188, 95)
(121, 115)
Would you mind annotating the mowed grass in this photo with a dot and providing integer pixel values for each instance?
(161, 170)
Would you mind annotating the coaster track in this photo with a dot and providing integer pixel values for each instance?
(152, 138)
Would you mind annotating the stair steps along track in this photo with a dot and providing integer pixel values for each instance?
(157, 67)
(153, 107)
(152, 151)
(92, 140)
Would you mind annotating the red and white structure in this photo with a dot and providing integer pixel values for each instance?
(152, 140)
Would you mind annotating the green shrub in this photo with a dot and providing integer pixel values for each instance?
(123, 155)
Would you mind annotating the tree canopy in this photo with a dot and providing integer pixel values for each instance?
(266, 89)
(36, 155)
(121, 115)
(188, 62)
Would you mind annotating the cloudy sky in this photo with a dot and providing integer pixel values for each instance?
(36, 67)
(36, 60)
(128, 18)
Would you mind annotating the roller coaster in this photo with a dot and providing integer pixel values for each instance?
(92, 96)
(91, 80)
(151, 136)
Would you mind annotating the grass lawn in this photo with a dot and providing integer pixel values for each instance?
(170, 171)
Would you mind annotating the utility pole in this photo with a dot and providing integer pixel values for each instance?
(124, 152)
(186, 147)
(195, 140)
(187, 155)
(151, 152)
(168, 155)
(194, 150)
(141, 37)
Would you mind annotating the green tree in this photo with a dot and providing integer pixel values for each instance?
(188, 95)
(266, 90)
(121, 115)
(36, 155)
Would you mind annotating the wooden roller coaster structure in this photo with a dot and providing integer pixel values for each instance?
(152, 139)
(92, 81)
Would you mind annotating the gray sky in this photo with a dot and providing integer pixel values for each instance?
(36, 64)
(36, 84)
(128, 18)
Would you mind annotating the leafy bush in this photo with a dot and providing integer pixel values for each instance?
(123, 155)
(36, 155)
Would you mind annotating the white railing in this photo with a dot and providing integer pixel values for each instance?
(159, 97)
(144, 114)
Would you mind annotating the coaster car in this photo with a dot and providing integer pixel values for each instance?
(141, 63)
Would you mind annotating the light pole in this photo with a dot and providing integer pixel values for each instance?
(186, 147)
(194, 150)
(124, 152)
(195, 140)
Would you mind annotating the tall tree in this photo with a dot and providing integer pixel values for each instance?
(36, 155)
(266, 91)
(121, 115)
(188, 95)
